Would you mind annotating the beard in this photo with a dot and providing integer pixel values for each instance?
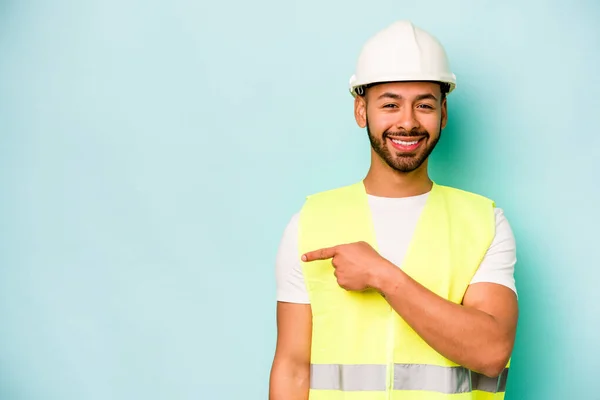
(404, 162)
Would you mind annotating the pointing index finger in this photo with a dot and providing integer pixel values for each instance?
(320, 254)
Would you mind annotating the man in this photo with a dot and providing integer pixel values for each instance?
(396, 287)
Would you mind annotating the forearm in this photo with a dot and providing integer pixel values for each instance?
(289, 381)
(465, 335)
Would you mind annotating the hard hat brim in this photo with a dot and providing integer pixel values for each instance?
(450, 80)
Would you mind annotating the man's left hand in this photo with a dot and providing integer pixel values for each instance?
(357, 265)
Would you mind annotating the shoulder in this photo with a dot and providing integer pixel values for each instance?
(334, 192)
(473, 208)
(464, 195)
(319, 205)
(471, 212)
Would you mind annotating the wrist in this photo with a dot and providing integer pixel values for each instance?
(385, 277)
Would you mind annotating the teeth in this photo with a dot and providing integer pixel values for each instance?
(403, 143)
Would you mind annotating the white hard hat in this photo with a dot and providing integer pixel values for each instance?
(402, 52)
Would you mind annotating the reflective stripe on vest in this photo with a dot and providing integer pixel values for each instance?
(433, 378)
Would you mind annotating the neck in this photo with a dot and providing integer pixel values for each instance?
(384, 181)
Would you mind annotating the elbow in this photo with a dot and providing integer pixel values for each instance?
(492, 370)
(289, 376)
(301, 376)
(494, 363)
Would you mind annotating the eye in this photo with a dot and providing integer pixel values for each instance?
(425, 106)
(389, 106)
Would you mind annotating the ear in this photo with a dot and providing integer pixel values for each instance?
(444, 113)
(360, 111)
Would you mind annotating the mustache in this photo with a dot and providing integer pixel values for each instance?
(411, 133)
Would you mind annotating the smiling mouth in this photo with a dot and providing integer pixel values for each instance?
(406, 143)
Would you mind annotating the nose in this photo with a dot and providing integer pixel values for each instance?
(407, 120)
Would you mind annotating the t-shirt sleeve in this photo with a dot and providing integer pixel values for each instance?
(498, 265)
(290, 284)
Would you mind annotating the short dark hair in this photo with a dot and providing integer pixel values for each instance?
(445, 88)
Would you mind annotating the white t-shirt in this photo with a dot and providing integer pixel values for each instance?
(394, 221)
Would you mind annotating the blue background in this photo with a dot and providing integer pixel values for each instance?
(151, 153)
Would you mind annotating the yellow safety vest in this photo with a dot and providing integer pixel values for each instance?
(361, 348)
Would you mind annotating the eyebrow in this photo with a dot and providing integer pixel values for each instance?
(395, 96)
(427, 96)
(390, 95)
